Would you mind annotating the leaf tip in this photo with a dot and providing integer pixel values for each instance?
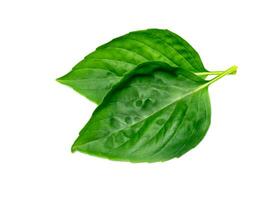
(73, 148)
(60, 80)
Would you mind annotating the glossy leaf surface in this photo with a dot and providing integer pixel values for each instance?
(156, 113)
(98, 72)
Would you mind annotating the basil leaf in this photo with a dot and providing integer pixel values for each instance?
(98, 72)
(157, 112)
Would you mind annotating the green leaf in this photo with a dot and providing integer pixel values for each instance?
(155, 113)
(98, 72)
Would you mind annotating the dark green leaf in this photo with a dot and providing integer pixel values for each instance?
(94, 76)
(156, 112)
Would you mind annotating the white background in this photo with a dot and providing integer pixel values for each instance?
(40, 118)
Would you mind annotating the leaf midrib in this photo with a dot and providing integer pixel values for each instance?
(230, 70)
(175, 101)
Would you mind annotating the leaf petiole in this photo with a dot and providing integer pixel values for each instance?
(214, 73)
(231, 70)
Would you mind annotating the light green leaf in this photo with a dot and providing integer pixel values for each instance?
(155, 113)
(98, 72)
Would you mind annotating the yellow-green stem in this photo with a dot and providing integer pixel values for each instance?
(214, 72)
